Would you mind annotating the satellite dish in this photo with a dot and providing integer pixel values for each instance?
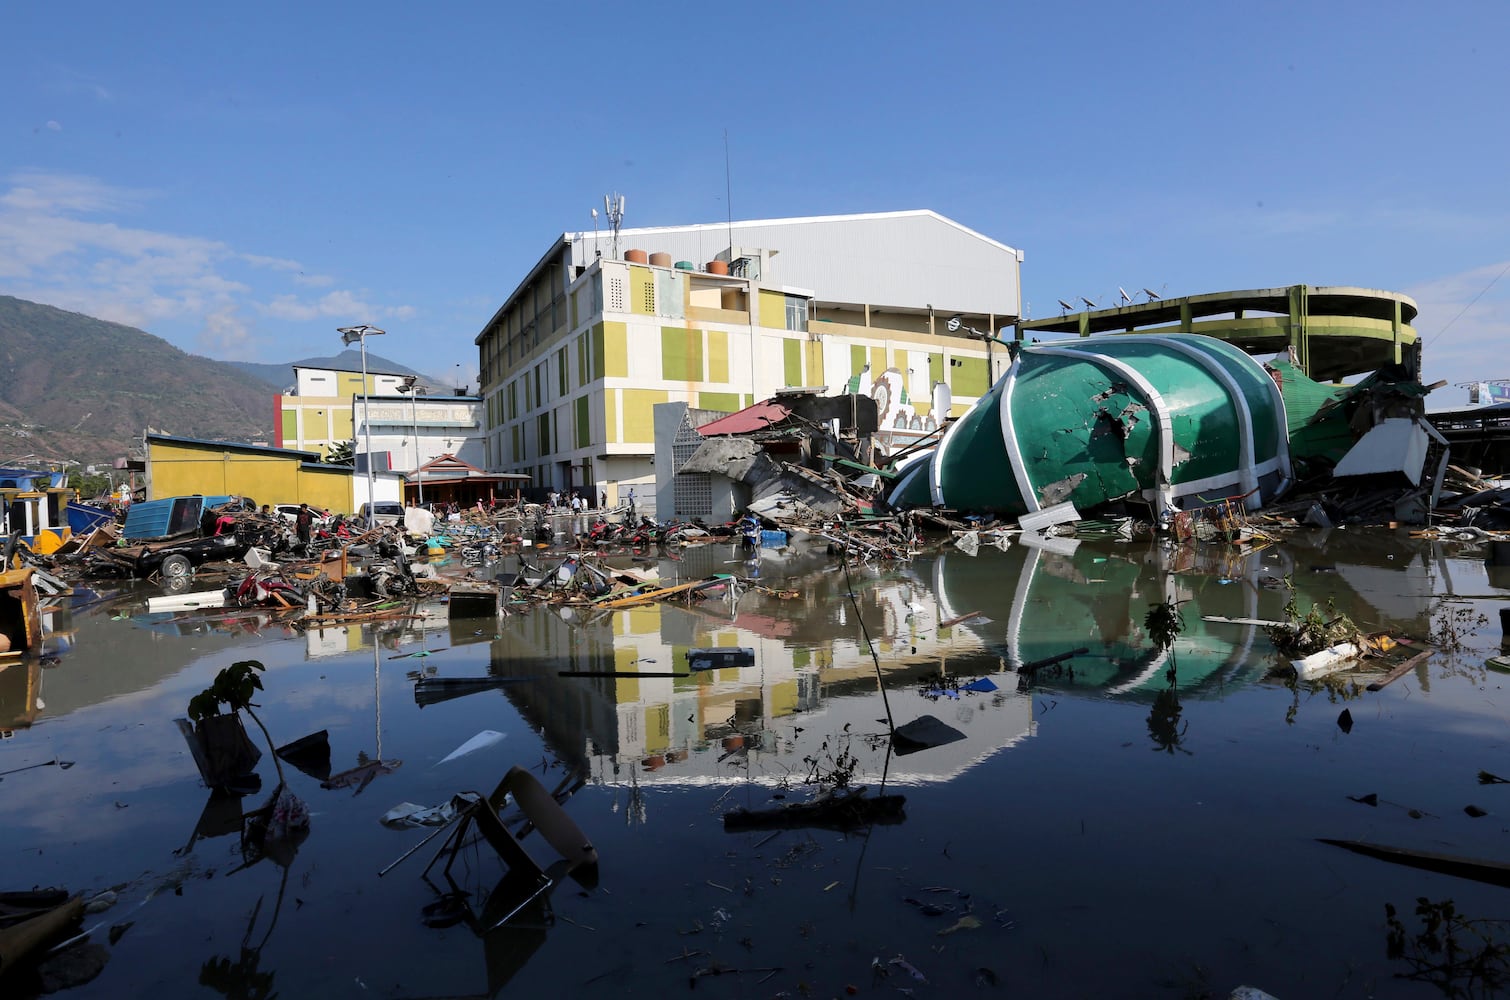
(1152, 295)
(1066, 305)
(1123, 292)
(1088, 303)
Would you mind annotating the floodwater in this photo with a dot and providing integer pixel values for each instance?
(1129, 824)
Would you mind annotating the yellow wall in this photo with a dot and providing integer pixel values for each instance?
(681, 354)
(791, 361)
(639, 414)
(641, 290)
(814, 364)
(772, 309)
(723, 402)
(179, 468)
(718, 356)
(615, 350)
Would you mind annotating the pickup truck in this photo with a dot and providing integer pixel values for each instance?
(174, 535)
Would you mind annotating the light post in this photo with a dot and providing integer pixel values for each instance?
(955, 324)
(350, 335)
(412, 388)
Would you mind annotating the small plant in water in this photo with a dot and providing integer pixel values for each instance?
(232, 690)
(1451, 623)
(833, 767)
(1302, 635)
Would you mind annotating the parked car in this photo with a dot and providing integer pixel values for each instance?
(384, 512)
(290, 513)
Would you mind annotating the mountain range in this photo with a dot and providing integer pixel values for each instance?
(79, 389)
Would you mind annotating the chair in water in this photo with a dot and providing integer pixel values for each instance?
(575, 854)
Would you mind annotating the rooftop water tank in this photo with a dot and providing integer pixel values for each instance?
(637, 256)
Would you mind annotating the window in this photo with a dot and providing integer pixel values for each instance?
(796, 313)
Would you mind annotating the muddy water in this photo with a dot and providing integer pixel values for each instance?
(1127, 823)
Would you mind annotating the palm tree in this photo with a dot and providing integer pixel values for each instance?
(342, 453)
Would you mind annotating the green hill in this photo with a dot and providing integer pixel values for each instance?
(78, 388)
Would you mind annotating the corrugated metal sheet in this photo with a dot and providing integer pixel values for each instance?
(904, 259)
(751, 418)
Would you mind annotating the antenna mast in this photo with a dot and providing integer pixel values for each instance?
(729, 197)
(613, 208)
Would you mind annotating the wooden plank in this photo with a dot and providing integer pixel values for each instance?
(1492, 872)
(655, 595)
(1224, 620)
(960, 618)
(1399, 671)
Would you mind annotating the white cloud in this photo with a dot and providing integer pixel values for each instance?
(64, 241)
(1464, 325)
(271, 263)
(340, 304)
(225, 335)
(40, 191)
(334, 305)
(53, 126)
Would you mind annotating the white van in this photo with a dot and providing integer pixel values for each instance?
(384, 512)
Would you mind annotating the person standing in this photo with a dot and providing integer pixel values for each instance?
(304, 524)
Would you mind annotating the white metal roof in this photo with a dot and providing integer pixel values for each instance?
(911, 260)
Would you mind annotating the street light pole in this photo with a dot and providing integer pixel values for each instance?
(411, 386)
(350, 334)
(956, 323)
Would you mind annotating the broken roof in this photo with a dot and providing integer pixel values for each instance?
(752, 418)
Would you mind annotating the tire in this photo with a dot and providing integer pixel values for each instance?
(176, 567)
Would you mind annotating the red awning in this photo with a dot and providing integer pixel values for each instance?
(751, 418)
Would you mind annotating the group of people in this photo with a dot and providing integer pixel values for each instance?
(578, 504)
(574, 501)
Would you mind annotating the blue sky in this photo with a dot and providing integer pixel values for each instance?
(241, 180)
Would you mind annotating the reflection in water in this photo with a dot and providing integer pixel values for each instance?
(737, 736)
(1461, 956)
(1164, 719)
(933, 625)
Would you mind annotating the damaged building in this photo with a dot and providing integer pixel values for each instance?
(794, 455)
(606, 327)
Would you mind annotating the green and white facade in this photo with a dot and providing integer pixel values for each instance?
(1174, 421)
